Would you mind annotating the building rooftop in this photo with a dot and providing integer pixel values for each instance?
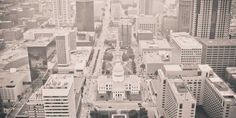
(172, 68)
(41, 42)
(156, 58)
(217, 42)
(36, 96)
(154, 44)
(205, 67)
(222, 88)
(59, 81)
(231, 70)
(181, 88)
(180, 91)
(12, 78)
(144, 31)
(146, 19)
(185, 41)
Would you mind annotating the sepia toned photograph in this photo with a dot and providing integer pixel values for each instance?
(117, 58)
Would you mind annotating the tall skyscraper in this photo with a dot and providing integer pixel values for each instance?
(62, 13)
(211, 18)
(84, 20)
(184, 15)
(63, 49)
(145, 7)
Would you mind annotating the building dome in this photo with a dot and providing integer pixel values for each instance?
(118, 73)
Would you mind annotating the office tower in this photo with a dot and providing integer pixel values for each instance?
(59, 97)
(148, 22)
(219, 54)
(84, 20)
(187, 50)
(62, 13)
(179, 101)
(184, 15)
(145, 7)
(125, 33)
(194, 78)
(11, 85)
(62, 48)
(219, 100)
(211, 18)
(40, 52)
(155, 54)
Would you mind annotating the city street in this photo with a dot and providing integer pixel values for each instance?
(89, 94)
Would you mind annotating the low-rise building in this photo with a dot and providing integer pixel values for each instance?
(11, 85)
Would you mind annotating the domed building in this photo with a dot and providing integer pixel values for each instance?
(118, 84)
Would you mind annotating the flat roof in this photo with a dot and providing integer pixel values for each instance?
(59, 81)
(152, 58)
(144, 31)
(222, 88)
(154, 44)
(217, 42)
(12, 78)
(41, 42)
(180, 91)
(172, 68)
(205, 67)
(13, 51)
(36, 95)
(185, 41)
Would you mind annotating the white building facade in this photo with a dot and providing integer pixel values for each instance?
(59, 97)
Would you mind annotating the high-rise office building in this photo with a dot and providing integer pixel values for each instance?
(184, 15)
(40, 52)
(194, 78)
(59, 97)
(219, 54)
(62, 13)
(219, 100)
(145, 7)
(187, 50)
(211, 18)
(63, 49)
(179, 101)
(210, 91)
(84, 20)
